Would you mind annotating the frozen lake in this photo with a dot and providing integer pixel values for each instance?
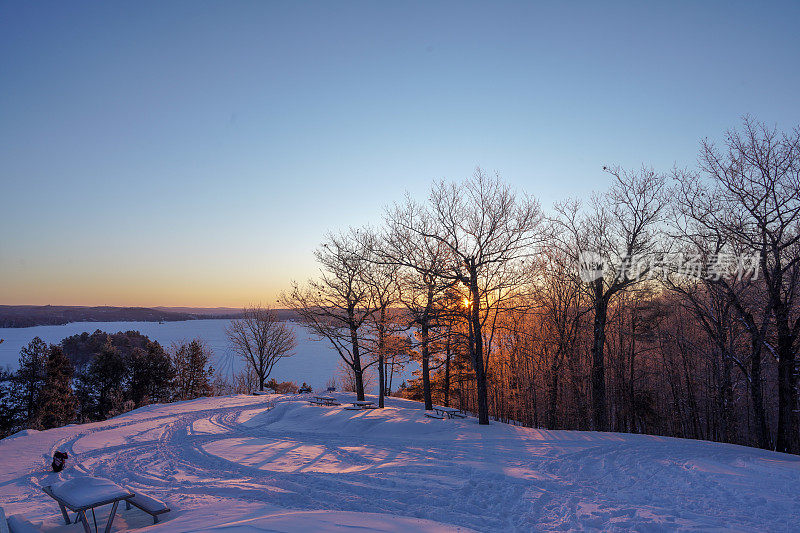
(314, 362)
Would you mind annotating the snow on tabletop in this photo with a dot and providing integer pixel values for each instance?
(83, 491)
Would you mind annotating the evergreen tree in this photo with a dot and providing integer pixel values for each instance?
(29, 379)
(57, 405)
(150, 375)
(193, 374)
(8, 413)
(82, 349)
(100, 384)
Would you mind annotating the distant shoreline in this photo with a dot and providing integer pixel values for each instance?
(25, 316)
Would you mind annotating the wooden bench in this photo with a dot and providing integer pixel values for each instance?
(17, 524)
(147, 504)
(434, 415)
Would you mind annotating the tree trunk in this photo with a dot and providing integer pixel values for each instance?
(728, 419)
(756, 394)
(357, 369)
(477, 352)
(553, 396)
(381, 384)
(426, 372)
(447, 372)
(381, 355)
(381, 387)
(359, 384)
(786, 440)
(599, 415)
(631, 389)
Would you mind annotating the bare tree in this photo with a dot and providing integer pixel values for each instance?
(381, 279)
(756, 180)
(261, 339)
(617, 237)
(487, 230)
(558, 293)
(698, 225)
(423, 276)
(338, 305)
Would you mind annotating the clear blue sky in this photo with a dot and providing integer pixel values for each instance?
(194, 153)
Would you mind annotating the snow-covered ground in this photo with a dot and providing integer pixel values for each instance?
(233, 464)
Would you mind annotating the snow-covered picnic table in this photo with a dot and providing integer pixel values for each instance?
(449, 412)
(324, 400)
(87, 492)
(362, 404)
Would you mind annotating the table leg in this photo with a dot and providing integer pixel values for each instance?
(111, 516)
(64, 513)
(84, 521)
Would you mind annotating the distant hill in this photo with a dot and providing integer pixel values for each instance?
(216, 312)
(23, 316)
(225, 312)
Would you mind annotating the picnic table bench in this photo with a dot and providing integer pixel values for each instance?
(82, 493)
(16, 524)
(147, 504)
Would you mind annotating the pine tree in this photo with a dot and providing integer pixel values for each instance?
(150, 375)
(100, 384)
(8, 412)
(57, 405)
(193, 374)
(29, 379)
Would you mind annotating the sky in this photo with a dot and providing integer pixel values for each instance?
(195, 153)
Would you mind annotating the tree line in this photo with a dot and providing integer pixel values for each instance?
(91, 377)
(666, 304)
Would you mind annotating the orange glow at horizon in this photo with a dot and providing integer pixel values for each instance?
(137, 287)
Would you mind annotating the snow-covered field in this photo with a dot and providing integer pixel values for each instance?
(314, 362)
(234, 464)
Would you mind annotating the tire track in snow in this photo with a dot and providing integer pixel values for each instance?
(173, 461)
